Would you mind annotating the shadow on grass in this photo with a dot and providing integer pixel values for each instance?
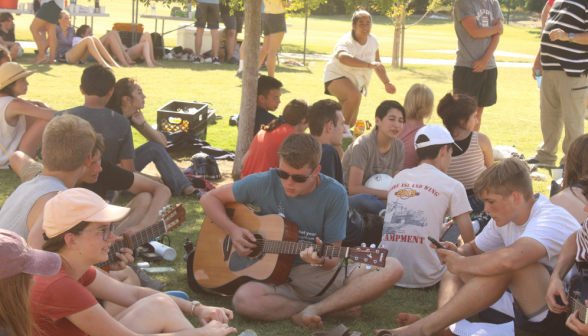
(440, 78)
(382, 20)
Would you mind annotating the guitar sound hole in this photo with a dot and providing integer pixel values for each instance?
(259, 242)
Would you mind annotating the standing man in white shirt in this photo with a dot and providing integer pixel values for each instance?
(517, 250)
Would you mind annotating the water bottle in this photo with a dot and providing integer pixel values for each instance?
(248, 332)
(538, 76)
(97, 6)
(153, 8)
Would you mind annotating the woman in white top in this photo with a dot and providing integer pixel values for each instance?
(575, 182)
(22, 122)
(347, 75)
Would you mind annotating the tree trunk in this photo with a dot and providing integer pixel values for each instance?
(403, 32)
(396, 44)
(249, 87)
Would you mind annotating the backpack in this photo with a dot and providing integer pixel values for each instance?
(157, 40)
(205, 166)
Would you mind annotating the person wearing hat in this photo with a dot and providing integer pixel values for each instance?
(21, 122)
(504, 274)
(418, 200)
(377, 152)
(19, 263)
(78, 227)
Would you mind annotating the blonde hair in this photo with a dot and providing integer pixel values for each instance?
(15, 310)
(299, 150)
(419, 102)
(504, 178)
(68, 140)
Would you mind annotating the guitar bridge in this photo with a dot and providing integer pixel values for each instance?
(227, 247)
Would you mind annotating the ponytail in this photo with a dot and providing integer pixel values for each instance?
(294, 113)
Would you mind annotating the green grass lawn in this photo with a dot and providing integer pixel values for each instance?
(513, 120)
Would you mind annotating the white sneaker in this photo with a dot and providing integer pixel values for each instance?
(347, 134)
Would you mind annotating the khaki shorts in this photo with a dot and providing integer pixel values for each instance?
(312, 280)
(30, 170)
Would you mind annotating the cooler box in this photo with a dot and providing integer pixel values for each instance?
(187, 38)
(9, 4)
(189, 117)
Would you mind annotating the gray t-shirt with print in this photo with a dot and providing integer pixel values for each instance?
(365, 155)
(115, 128)
(470, 49)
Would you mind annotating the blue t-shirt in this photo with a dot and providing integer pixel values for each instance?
(322, 213)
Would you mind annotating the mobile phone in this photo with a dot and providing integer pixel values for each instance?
(435, 242)
(451, 234)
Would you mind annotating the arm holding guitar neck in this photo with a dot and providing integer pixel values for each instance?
(160, 197)
(213, 204)
(565, 262)
(311, 256)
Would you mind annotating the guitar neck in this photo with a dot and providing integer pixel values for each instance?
(292, 248)
(576, 305)
(135, 240)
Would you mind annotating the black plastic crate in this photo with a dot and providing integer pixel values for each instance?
(174, 116)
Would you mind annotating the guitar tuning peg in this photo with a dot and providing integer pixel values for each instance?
(373, 246)
(368, 267)
(378, 269)
(160, 212)
(363, 245)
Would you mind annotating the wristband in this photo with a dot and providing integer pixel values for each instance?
(194, 304)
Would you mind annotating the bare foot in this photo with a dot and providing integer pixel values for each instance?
(353, 312)
(157, 63)
(405, 319)
(50, 62)
(40, 59)
(308, 319)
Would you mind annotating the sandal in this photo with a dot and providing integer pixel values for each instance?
(341, 330)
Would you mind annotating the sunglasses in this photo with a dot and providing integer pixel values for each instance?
(105, 232)
(296, 178)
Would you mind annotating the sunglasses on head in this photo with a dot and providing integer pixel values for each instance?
(296, 178)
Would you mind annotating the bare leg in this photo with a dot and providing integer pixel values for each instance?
(52, 42)
(126, 276)
(78, 51)
(272, 56)
(528, 286)
(147, 38)
(259, 301)
(264, 49)
(198, 41)
(103, 52)
(14, 51)
(215, 42)
(35, 28)
(231, 42)
(33, 137)
(17, 160)
(355, 292)
(139, 206)
(154, 314)
(141, 50)
(479, 115)
(349, 97)
(110, 43)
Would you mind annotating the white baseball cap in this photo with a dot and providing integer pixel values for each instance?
(437, 134)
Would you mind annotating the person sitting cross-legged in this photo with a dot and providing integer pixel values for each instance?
(516, 251)
(418, 200)
(78, 226)
(317, 204)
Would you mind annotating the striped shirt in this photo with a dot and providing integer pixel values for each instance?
(570, 16)
(468, 166)
(582, 243)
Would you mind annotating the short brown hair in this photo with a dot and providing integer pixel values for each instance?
(299, 150)
(577, 165)
(504, 178)
(321, 113)
(68, 140)
(99, 146)
(294, 113)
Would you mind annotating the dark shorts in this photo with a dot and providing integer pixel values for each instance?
(329, 83)
(481, 85)
(234, 22)
(273, 24)
(207, 14)
(49, 12)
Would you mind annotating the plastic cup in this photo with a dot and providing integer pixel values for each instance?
(556, 174)
(102, 9)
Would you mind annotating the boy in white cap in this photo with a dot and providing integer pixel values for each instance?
(418, 201)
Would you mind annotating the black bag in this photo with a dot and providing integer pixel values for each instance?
(157, 40)
(205, 166)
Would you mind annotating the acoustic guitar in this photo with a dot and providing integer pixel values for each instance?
(215, 265)
(171, 217)
(578, 294)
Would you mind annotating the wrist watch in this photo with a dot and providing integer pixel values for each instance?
(194, 304)
(571, 35)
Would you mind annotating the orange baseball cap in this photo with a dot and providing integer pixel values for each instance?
(73, 206)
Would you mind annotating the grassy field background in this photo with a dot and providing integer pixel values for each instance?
(514, 120)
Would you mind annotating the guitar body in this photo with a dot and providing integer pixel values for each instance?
(216, 266)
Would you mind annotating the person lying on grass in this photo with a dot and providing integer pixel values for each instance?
(78, 226)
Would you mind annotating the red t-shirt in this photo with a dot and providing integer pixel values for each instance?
(550, 2)
(263, 152)
(55, 297)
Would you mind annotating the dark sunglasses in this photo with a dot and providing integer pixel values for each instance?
(105, 232)
(296, 178)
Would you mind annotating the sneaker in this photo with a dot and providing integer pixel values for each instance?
(147, 281)
(348, 134)
(197, 60)
(216, 61)
(534, 161)
(208, 60)
(239, 74)
(232, 60)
